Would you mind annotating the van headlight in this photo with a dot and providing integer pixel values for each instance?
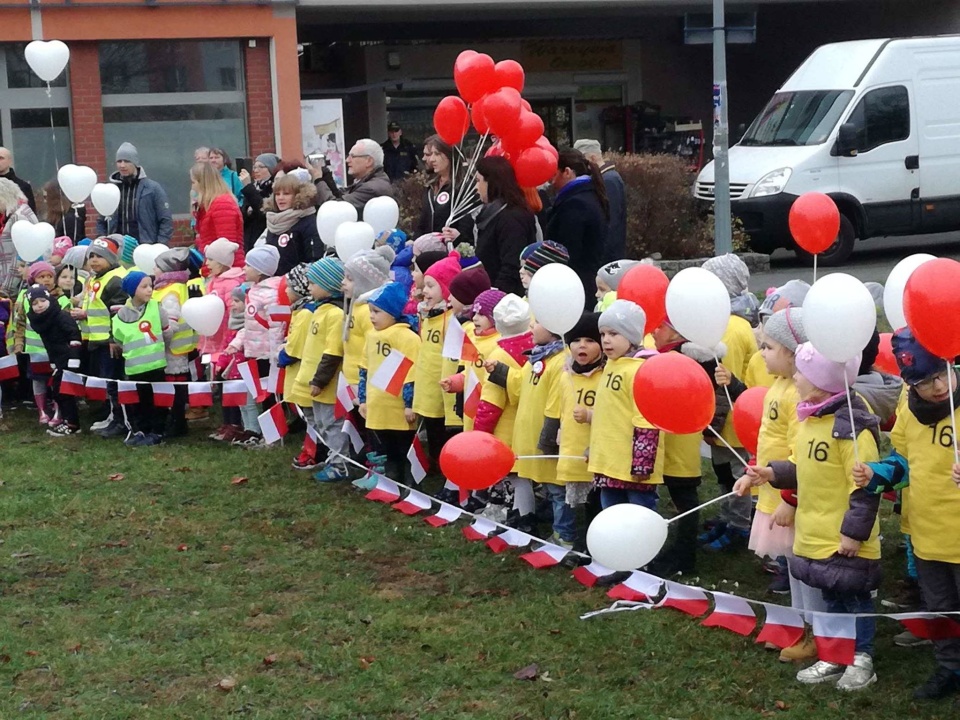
(772, 183)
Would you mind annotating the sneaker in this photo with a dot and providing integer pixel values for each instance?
(113, 430)
(101, 424)
(804, 650)
(942, 683)
(153, 439)
(906, 598)
(474, 504)
(232, 433)
(718, 529)
(136, 439)
(859, 675)
(332, 473)
(821, 672)
(560, 542)
(305, 461)
(252, 441)
(196, 414)
(367, 482)
(731, 539)
(524, 523)
(495, 512)
(908, 640)
(780, 585)
(374, 459)
(612, 579)
(63, 430)
(218, 433)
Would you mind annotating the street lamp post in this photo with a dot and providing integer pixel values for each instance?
(723, 238)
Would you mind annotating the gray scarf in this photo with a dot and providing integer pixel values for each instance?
(281, 222)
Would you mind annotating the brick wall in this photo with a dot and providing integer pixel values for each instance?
(87, 114)
(260, 127)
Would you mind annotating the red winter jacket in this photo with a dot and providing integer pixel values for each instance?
(221, 220)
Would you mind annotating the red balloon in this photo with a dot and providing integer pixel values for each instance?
(930, 302)
(510, 74)
(451, 119)
(747, 416)
(526, 130)
(476, 114)
(546, 145)
(885, 359)
(501, 110)
(674, 393)
(534, 166)
(814, 221)
(475, 76)
(646, 285)
(475, 460)
(525, 104)
(495, 150)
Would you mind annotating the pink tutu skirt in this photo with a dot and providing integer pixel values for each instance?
(770, 542)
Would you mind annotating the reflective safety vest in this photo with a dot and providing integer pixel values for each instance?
(184, 340)
(11, 324)
(32, 344)
(97, 326)
(142, 341)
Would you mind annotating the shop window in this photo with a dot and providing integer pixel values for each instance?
(169, 66)
(20, 76)
(32, 135)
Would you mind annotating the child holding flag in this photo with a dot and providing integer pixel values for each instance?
(61, 342)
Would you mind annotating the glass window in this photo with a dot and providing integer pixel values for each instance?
(805, 117)
(32, 137)
(170, 66)
(882, 116)
(19, 74)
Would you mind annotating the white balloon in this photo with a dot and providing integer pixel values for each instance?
(32, 241)
(896, 282)
(353, 237)
(204, 314)
(556, 297)
(77, 182)
(105, 198)
(331, 215)
(145, 257)
(47, 58)
(698, 306)
(626, 537)
(382, 214)
(839, 315)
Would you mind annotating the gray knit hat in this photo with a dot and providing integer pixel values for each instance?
(269, 161)
(264, 259)
(792, 293)
(732, 271)
(369, 269)
(626, 318)
(612, 273)
(128, 151)
(786, 327)
(175, 260)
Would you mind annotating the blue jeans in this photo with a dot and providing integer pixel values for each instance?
(861, 602)
(564, 517)
(612, 496)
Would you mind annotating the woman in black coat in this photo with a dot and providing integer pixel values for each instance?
(255, 191)
(438, 196)
(292, 223)
(578, 219)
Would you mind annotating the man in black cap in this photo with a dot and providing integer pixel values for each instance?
(399, 155)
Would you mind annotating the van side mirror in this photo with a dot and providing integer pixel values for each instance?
(847, 140)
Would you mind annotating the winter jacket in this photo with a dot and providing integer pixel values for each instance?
(12, 282)
(221, 286)
(615, 243)
(221, 220)
(881, 391)
(60, 335)
(293, 232)
(399, 161)
(72, 224)
(376, 184)
(232, 181)
(25, 187)
(502, 232)
(6, 323)
(143, 214)
(578, 223)
(260, 338)
(254, 216)
(437, 202)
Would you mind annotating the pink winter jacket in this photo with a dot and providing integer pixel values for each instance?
(221, 286)
(259, 339)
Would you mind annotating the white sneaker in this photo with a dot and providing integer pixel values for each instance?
(821, 672)
(102, 424)
(908, 640)
(859, 675)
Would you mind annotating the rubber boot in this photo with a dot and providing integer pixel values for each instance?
(41, 401)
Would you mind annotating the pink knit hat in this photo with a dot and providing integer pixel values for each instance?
(61, 245)
(823, 372)
(444, 272)
(487, 301)
(41, 266)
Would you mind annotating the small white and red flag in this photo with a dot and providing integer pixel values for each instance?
(419, 461)
(392, 373)
(273, 424)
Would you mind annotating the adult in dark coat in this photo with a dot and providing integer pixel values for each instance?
(615, 245)
(292, 223)
(438, 195)
(255, 191)
(399, 154)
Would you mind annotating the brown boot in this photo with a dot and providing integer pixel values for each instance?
(804, 650)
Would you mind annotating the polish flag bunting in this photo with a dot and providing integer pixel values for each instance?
(392, 373)
(200, 394)
(418, 460)
(356, 441)
(386, 491)
(345, 398)
(40, 364)
(509, 538)
(931, 627)
(127, 393)
(480, 529)
(251, 376)
(234, 393)
(782, 626)
(71, 384)
(310, 441)
(273, 424)
(731, 613)
(686, 599)
(836, 637)
(639, 587)
(448, 514)
(276, 380)
(545, 556)
(9, 368)
(96, 389)
(163, 394)
(471, 394)
(457, 346)
(413, 503)
(588, 575)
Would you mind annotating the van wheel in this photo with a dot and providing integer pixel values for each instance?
(838, 253)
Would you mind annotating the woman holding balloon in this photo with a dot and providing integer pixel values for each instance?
(438, 196)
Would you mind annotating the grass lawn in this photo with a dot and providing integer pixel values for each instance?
(135, 596)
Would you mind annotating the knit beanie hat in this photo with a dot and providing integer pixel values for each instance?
(731, 270)
(222, 251)
(264, 259)
(239, 292)
(128, 151)
(486, 302)
(174, 260)
(468, 256)
(41, 266)
(588, 326)
(511, 316)
(612, 273)
(127, 247)
(131, 281)
(916, 363)
(61, 245)
(790, 294)
(528, 251)
(369, 269)
(390, 298)
(444, 272)
(466, 286)
(76, 256)
(37, 292)
(786, 327)
(297, 279)
(270, 162)
(823, 372)
(327, 273)
(627, 318)
(547, 252)
(397, 240)
(106, 248)
(431, 242)
(426, 259)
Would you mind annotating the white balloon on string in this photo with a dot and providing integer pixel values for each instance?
(47, 58)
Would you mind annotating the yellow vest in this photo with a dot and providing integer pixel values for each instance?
(539, 398)
(97, 323)
(757, 375)
(324, 337)
(575, 390)
(353, 348)
(451, 367)
(385, 411)
(485, 345)
(198, 283)
(297, 333)
(504, 398)
(186, 339)
(778, 433)
(427, 395)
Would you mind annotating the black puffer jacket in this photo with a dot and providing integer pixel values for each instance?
(577, 222)
(254, 216)
(60, 335)
(502, 232)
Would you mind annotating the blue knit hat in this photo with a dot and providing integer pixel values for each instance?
(126, 250)
(390, 298)
(397, 240)
(131, 281)
(916, 363)
(328, 274)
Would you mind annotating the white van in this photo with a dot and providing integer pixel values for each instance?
(874, 124)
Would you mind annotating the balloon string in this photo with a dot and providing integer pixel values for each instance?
(726, 388)
(53, 130)
(953, 418)
(729, 447)
(550, 457)
(699, 507)
(853, 427)
(814, 267)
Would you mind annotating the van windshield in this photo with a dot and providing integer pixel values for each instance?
(805, 117)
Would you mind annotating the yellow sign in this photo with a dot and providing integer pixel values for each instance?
(571, 55)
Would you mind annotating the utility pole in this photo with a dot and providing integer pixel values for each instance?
(723, 242)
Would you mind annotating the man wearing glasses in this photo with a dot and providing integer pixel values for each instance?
(365, 166)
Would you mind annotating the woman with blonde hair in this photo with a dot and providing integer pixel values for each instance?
(217, 214)
(13, 208)
(292, 222)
